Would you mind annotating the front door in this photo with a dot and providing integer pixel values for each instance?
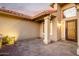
(71, 30)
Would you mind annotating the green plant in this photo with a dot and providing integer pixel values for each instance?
(11, 40)
(8, 40)
(5, 39)
(0, 43)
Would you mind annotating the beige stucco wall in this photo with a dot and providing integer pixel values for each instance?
(41, 30)
(19, 28)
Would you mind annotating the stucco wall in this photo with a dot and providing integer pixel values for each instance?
(19, 28)
(41, 30)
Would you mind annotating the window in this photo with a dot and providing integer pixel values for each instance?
(70, 12)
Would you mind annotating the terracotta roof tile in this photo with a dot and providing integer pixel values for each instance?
(14, 13)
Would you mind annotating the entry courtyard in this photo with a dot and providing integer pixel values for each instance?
(43, 29)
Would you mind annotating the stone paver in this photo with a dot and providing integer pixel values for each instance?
(37, 48)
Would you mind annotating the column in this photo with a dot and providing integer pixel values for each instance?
(46, 30)
(58, 19)
(77, 30)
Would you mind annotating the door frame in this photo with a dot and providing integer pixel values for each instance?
(66, 29)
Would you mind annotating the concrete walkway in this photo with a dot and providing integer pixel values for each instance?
(37, 48)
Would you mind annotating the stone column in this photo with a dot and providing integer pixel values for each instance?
(77, 29)
(58, 19)
(46, 30)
